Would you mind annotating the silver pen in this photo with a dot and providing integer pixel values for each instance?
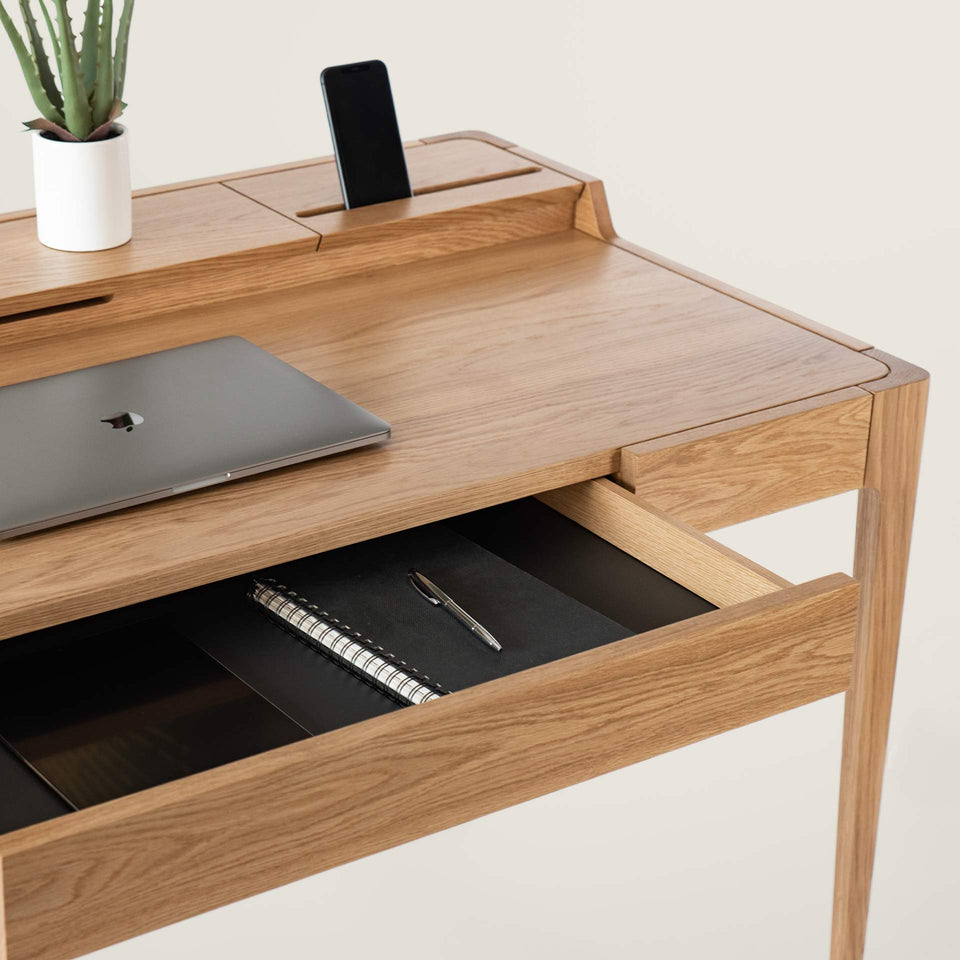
(431, 592)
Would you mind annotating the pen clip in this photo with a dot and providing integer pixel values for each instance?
(422, 586)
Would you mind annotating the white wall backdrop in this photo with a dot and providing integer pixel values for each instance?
(805, 152)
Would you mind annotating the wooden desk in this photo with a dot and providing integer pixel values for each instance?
(518, 347)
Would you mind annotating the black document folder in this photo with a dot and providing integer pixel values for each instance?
(111, 714)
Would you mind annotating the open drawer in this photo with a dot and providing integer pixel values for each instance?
(84, 880)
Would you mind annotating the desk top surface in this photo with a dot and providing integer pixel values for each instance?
(504, 371)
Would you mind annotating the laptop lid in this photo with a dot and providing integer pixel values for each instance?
(102, 438)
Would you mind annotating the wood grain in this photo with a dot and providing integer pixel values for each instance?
(123, 868)
(884, 526)
(3, 914)
(481, 135)
(467, 215)
(338, 223)
(17, 214)
(675, 549)
(593, 217)
(170, 229)
(417, 231)
(435, 226)
(592, 214)
(430, 188)
(505, 371)
(143, 297)
(458, 162)
(750, 466)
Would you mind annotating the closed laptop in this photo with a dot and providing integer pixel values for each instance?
(102, 438)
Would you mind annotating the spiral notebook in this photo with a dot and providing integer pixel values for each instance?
(349, 649)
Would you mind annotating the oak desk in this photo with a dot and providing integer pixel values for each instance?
(519, 347)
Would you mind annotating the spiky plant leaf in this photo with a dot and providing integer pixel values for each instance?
(40, 55)
(123, 41)
(89, 44)
(30, 72)
(103, 98)
(101, 132)
(53, 33)
(61, 133)
(76, 106)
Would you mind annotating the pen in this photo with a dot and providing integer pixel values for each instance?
(431, 592)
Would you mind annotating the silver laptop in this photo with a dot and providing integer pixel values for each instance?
(107, 437)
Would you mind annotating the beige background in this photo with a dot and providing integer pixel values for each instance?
(805, 152)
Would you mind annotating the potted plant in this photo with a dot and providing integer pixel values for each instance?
(81, 166)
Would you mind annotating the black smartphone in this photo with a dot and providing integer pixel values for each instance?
(366, 138)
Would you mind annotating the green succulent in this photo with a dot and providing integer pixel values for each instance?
(90, 95)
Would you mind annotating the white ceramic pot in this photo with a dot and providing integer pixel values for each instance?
(82, 192)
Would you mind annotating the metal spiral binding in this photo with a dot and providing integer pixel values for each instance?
(335, 640)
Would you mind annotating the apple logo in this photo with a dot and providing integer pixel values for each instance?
(124, 420)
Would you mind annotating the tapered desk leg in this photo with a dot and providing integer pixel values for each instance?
(884, 524)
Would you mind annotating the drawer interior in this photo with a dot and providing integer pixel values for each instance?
(545, 585)
(120, 868)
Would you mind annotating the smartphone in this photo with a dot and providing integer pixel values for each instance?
(366, 138)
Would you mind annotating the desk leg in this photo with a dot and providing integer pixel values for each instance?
(884, 523)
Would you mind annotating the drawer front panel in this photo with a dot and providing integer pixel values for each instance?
(754, 465)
